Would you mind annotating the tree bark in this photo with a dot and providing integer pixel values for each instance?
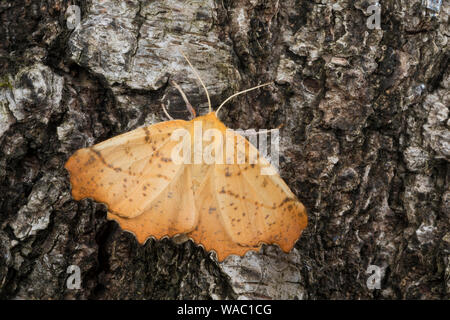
(365, 142)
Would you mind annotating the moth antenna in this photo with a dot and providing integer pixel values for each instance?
(188, 105)
(200, 79)
(240, 92)
(164, 109)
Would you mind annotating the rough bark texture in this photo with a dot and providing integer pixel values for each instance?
(365, 142)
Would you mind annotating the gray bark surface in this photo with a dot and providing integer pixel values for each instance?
(365, 142)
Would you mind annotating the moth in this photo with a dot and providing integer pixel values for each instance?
(226, 205)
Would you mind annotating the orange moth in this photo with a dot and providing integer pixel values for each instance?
(156, 182)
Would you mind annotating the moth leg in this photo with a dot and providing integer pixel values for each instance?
(165, 110)
(188, 104)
